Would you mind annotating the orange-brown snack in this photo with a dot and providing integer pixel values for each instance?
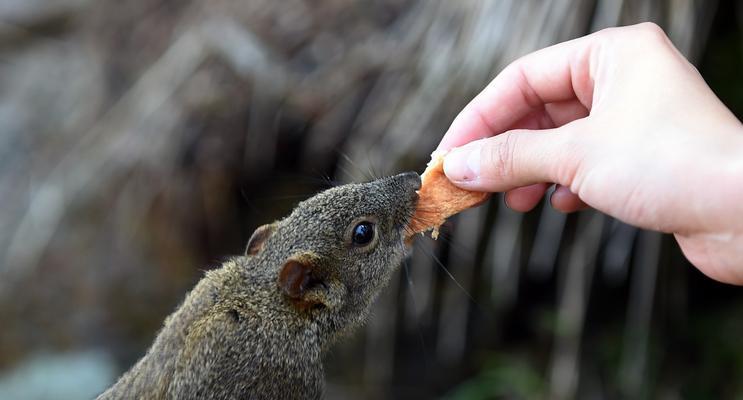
(439, 199)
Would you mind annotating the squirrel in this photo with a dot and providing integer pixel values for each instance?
(257, 327)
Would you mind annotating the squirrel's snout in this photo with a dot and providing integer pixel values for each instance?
(411, 179)
(409, 182)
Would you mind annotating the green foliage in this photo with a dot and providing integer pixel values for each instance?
(502, 377)
(718, 359)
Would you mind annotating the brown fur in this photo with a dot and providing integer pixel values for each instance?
(257, 327)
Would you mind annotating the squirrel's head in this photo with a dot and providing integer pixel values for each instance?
(337, 250)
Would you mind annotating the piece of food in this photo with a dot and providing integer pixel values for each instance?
(439, 199)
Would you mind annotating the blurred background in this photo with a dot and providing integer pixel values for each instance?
(142, 141)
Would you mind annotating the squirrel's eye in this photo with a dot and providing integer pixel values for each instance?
(363, 233)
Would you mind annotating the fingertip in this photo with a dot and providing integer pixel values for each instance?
(525, 198)
(462, 165)
(562, 199)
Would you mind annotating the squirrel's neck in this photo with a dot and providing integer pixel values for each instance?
(232, 329)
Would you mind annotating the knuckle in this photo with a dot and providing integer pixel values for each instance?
(650, 27)
(573, 147)
(646, 32)
(605, 33)
(500, 156)
(512, 71)
(650, 31)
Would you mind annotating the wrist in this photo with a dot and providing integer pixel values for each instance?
(721, 187)
(719, 256)
(716, 248)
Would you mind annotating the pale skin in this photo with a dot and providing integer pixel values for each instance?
(621, 122)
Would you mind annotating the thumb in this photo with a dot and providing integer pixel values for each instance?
(513, 159)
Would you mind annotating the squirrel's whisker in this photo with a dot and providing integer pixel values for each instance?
(443, 268)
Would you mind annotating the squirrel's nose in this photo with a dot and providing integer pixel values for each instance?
(411, 179)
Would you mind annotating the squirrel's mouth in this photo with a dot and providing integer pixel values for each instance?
(410, 208)
(405, 186)
(413, 197)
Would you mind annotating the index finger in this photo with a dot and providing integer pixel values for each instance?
(554, 74)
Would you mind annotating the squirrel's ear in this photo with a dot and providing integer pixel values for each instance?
(302, 283)
(295, 278)
(255, 244)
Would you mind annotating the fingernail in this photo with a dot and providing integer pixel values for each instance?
(463, 164)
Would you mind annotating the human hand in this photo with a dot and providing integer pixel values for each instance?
(621, 122)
